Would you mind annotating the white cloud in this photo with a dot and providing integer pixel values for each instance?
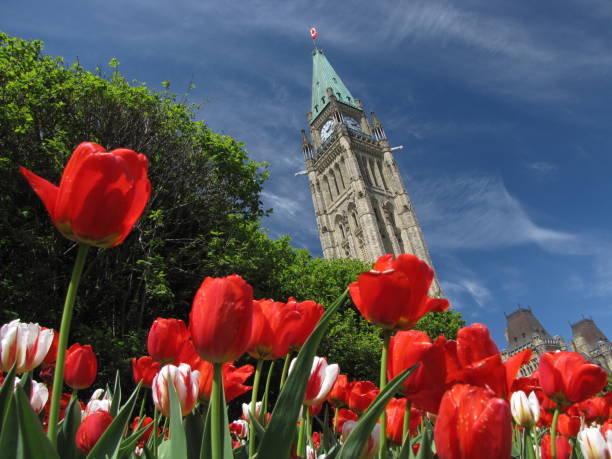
(541, 167)
(478, 212)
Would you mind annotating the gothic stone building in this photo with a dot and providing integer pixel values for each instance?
(524, 331)
(360, 202)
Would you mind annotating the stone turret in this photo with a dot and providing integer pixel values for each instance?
(525, 331)
(522, 325)
(588, 340)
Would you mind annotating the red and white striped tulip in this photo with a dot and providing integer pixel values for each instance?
(371, 448)
(592, 444)
(185, 383)
(38, 395)
(99, 401)
(321, 380)
(246, 410)
(24, 345)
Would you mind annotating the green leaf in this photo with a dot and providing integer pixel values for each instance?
(205, 449)
(358, 438)
(116, 401)
(9, 436)
(110, 440)
(35, 442)
(178, 440)
(6, 392)
(227, 438)
(425, 448)
(129, 444)
(66, 437)
(277, 440)
(194, 427)
(259, 429)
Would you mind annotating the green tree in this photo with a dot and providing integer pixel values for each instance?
(205, 190)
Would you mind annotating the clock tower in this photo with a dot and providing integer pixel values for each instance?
(361, 205)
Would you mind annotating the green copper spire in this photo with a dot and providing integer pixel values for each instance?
(324, 76)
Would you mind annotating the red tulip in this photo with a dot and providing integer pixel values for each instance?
(221, 318)
(475, 359)
(147, 421)
(81, 366)
(233, 378)
(395, 411)
(166, 339)
(564, 449)
(393, 295)
(473, 424)
(338, 397)
(144, 369)
(343, 416)
(361, 395)
(596, 409)
(568, 426)
(100, 197)
(273, 329)
(426, 385)
(566, 378)
(310, 313)
(91, 429)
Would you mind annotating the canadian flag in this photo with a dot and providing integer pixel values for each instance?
(313, 33)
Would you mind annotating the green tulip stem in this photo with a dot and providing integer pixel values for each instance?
(58, 377)
(253, 413)
(217, 423)
(285, 369)
(264, 407)
(553, 434)
(301, 445)
(528, 452)
(383, 382)
(154, 433)
(142, 407)
(336, 410)
(534, 441)
(406, 426)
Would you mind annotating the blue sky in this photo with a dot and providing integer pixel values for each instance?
(504, 109)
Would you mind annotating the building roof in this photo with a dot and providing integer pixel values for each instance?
(324, 76)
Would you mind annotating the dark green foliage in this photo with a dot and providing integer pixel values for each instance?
(205, 190)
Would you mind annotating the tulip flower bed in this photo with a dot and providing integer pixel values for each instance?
(446, 398)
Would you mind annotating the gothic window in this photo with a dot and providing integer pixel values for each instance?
(328, 198)
(354, 217)
(348, 98)
(382, 176)
(373, 172)
(339, 96)
(334, 78)
(316, 108)
(340, 175)
(333, 175)
(323, 99)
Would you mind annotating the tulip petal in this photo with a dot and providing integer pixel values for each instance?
(514, 364)
(45, 190)
(586, 382)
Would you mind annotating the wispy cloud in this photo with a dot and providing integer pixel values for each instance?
(478, 212)
(541, 167)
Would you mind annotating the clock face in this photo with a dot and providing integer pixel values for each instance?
(327, 129)
(352, 123)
